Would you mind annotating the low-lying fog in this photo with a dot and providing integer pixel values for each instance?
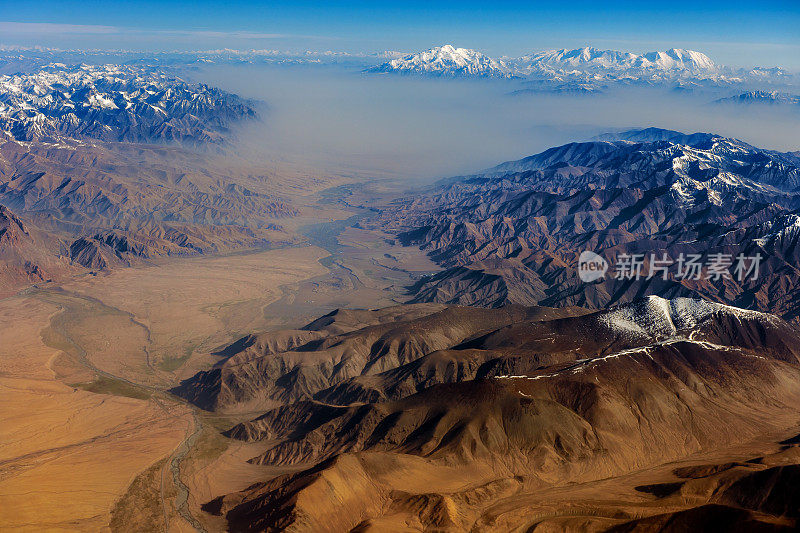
(337, 117)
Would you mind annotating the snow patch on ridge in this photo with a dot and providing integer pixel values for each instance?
(661, 318)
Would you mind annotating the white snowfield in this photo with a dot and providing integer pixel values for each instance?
(660, 318)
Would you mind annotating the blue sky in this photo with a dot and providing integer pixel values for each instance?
(732, 32)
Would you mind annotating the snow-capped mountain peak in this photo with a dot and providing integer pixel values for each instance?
(578, 58)
(580, 65)
(447, 61)
(590, 59)
(677, 59)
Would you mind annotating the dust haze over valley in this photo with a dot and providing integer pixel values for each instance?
(420, 129)
(324, 291)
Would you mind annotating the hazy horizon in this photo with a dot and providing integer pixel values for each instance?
(733, 33)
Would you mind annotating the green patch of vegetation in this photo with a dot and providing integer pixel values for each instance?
(170, 364)
(55, 340)
(173, 363)
(117, 387)
(327, 261)
(209, 445)
(220, 422)
(140, 508)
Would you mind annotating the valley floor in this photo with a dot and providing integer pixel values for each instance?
(90, 440)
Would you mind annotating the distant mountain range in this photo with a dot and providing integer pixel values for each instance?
(590, 59)
(26, 59)
(588, 67)
(761, 97)
(514, 233)
(448, 61)
(115, 103)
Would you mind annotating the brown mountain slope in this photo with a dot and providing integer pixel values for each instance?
(626, 418)
(389, 339)
(119, 204)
